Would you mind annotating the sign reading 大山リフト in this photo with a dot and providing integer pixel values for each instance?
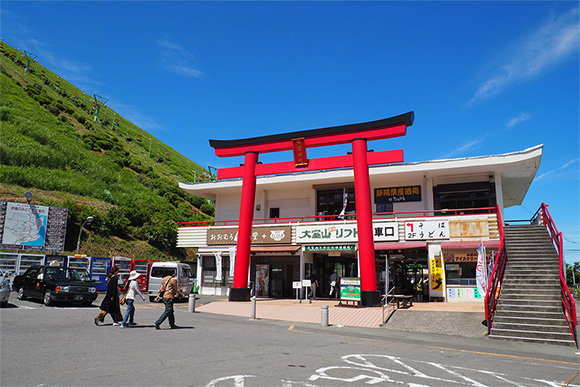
(26, 226)
(344, 232)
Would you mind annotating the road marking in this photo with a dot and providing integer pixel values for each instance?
(291, 327)
(571, 378)
(237, 379)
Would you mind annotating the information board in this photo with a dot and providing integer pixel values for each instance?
(31, 227)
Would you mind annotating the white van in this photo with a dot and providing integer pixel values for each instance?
(160, 270)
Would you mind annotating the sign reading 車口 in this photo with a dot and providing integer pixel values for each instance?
(260, 235)
(344, 232)
(26, 226)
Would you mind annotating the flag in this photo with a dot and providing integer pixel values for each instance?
(345, 202)
(481, 270)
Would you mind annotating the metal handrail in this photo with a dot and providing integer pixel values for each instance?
(568, 303)
(385, 300)
(496, 278)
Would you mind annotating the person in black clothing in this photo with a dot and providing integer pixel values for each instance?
(110, 302)
(334, 282)
(313, 285)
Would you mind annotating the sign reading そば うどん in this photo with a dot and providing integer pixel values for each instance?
(260, 235)
(30, 227)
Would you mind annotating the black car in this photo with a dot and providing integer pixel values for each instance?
(55, 284)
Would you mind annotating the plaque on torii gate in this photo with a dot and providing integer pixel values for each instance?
(298, 142)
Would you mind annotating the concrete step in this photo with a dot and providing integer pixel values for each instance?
(517, 295)
(523, 287)
(528, 281)
(529, 308)
(507, 313)
(533, 334)
(539, 302)
(531, 327)
(556, 322)
(569, 343)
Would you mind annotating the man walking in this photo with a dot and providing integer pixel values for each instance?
(169, 290)
(313, 285)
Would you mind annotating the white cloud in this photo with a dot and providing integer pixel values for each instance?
(518, 120)
(176, 59)
(465, 147)
(553, 43)
(566, 165)
(143, 120)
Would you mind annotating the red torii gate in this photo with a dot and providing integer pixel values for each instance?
(359, 160)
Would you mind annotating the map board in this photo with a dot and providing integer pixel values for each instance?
(30, 227)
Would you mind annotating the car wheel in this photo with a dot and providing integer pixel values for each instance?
(4, 304)
(88, 303)
(21, 295)
(47, 298)
(151, 299)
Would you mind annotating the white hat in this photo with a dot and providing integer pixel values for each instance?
(133, 275)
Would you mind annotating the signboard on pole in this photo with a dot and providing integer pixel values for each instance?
(30, 227)
(350, 289)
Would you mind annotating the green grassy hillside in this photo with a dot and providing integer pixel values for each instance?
(52, 146)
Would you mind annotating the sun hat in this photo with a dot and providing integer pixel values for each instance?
(133, 275)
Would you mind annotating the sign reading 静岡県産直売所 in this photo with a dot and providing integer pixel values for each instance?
(26, 226)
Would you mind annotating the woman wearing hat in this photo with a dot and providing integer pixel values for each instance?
(129, 298)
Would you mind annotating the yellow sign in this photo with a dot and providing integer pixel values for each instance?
(437, 274)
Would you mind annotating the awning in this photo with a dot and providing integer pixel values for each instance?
(277, 249)
(469, 244)
(400, 245)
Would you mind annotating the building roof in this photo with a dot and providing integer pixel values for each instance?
(516, 170)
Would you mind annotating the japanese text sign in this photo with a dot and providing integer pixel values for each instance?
(427, 230)
(382, 231)
(260, 235)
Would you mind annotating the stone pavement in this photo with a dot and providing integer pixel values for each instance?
(459, 319)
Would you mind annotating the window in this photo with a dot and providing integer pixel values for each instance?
(466, 195)
(275, 212)
(331, 202)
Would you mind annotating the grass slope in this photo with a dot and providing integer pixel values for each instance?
(52, 146)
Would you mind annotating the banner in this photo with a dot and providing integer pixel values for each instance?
(481, 270)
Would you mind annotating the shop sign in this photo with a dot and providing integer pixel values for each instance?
(329, 248)
(436, 274)
(398, 194)
(463, 256)
(456, 294)
(350, 289)
(337, 233)
(299, 149)
(434, 229)
(260, 235)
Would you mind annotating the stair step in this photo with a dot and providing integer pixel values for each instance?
(560, 322)
(529, 308)
(517, 295)
(569, 343)
(532, 327)
(533, 334)
(531, 302)
(527, 314)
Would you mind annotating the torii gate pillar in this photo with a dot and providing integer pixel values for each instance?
(366, 248)
(240, 291)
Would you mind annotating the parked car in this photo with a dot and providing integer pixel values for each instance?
(55, 284)
(160, 270)
(4, 289)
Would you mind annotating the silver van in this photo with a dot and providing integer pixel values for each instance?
(160, 270)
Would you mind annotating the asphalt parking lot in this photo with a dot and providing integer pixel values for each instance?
(61, 346)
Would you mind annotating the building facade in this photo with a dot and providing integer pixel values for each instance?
(426, 221)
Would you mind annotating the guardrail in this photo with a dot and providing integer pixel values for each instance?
(496, 278)
(568, 304)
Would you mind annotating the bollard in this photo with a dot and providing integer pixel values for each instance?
(253, 307)
(324, 315)
(191, 303)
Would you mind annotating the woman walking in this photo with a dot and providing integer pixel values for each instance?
(110, 303)
(129, 299)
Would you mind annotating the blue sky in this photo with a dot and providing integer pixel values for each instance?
(482, 77)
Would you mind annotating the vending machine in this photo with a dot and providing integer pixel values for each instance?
(9, 262)
(142, 267)
(79, 262)
(61, 260)
(124, 265)
(27, 260)
(100, 266)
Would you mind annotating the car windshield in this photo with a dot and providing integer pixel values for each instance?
(67, 273)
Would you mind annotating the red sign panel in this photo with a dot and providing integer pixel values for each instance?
(299, 148)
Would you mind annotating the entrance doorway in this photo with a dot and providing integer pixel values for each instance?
(408, 273)
(345, 266)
